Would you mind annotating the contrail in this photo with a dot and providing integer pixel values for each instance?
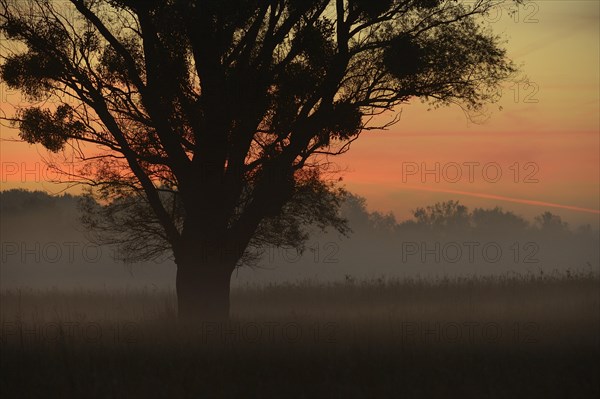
(503, 198)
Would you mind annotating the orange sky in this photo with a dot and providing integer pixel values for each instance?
(554, 123)
(550, 128)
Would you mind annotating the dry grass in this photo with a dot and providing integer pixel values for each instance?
(511, 336)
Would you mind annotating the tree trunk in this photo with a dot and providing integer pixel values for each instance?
(203, 290)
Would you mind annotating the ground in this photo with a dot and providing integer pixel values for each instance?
(498, 337)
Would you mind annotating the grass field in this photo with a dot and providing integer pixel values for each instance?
(528, 336)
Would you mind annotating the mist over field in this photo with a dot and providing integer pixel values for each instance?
(481, 301)
(381, 313)
(44, 245)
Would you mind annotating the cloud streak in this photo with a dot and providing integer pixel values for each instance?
(504, 198)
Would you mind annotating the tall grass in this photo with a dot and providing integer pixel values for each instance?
(530, 336)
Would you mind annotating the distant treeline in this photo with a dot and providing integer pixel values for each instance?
(441, 218)
(442, 239)
(16, 201)
(451, 217)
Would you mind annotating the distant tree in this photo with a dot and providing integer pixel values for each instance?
(443, 216)
(551, 223)
(354, 209)
(497, 221)
(212, 121)
(383, 222)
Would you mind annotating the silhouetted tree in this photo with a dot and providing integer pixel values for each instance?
(497, 220)
(551, 223)
(213, 120)
(443, 216)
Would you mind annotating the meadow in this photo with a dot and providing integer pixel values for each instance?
(525, 336)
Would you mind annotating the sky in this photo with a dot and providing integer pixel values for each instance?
(547, 130)
(539, 152)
